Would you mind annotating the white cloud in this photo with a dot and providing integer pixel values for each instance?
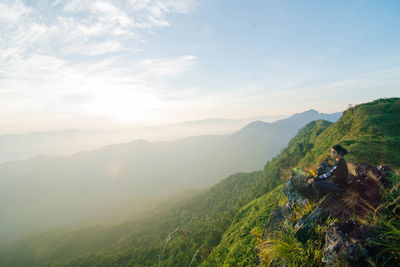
(11, 12)
(159, 7)
(97, 17)
(151, 13)
(39, 84)
(166, 67)
(83, 22)
(94, 49)
(78, 60)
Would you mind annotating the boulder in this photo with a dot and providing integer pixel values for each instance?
(363, 192)
(299, 181)
(332, 205)
(361, 195)
(344, 241)
(293, 195)
(304, 224)
(297, 190)
(277, 220)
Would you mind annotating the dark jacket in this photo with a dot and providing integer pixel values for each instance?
(339, 174)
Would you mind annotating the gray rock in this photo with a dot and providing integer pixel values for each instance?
(297, 189)
(332, 205)
(299, 181)
(293, 194)
(341, 244)
(277, 220)
(305, 223)
(343, 240)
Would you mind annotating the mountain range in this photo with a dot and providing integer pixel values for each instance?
(69, 141)
(49, 191)
(216, 226)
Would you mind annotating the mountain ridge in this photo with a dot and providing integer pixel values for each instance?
(70, 141)
(138, 168)
(204, 219)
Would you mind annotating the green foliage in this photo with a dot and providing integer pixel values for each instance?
(386, 244)
(297, 148)
(390, 241)
(214, 227)
(370, 132)
(288, 250)
(383, 246)
(238, 245)
(203, 217)
(299, 211)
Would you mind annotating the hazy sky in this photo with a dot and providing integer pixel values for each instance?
(74, 64)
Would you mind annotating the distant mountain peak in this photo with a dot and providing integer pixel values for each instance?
(257, 123)
(253, 126)
(307, 112)
(288, 126)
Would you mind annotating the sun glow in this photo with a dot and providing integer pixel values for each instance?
(124, 105)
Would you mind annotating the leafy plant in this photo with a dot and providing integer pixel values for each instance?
(389, 244)
(288, 250)
(387, 226)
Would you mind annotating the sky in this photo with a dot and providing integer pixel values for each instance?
(98, 64)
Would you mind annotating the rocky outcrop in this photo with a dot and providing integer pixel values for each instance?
(343, 241)
(344, 238)
(297, 190)
(361, 194)
(304, 224)
(277, 221)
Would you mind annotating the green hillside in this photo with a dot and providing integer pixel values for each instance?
(202, 220)
(214, 226)
(372, 136)
(370, 132)
(47, 191)
(238, 245)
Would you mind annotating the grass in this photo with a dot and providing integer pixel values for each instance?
(383, 245)
(286, 249)
(388, 226)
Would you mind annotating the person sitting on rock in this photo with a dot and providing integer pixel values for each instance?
(338, 173)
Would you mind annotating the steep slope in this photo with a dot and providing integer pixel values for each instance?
(238, 244)
(48, 191)
(198, 224)
(250, 137)
(371, 133)
(201, 220)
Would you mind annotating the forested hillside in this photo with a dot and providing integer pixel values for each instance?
(45, 192)
(218, 226)
(201, 219)
(370, 131)
(377, 121)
